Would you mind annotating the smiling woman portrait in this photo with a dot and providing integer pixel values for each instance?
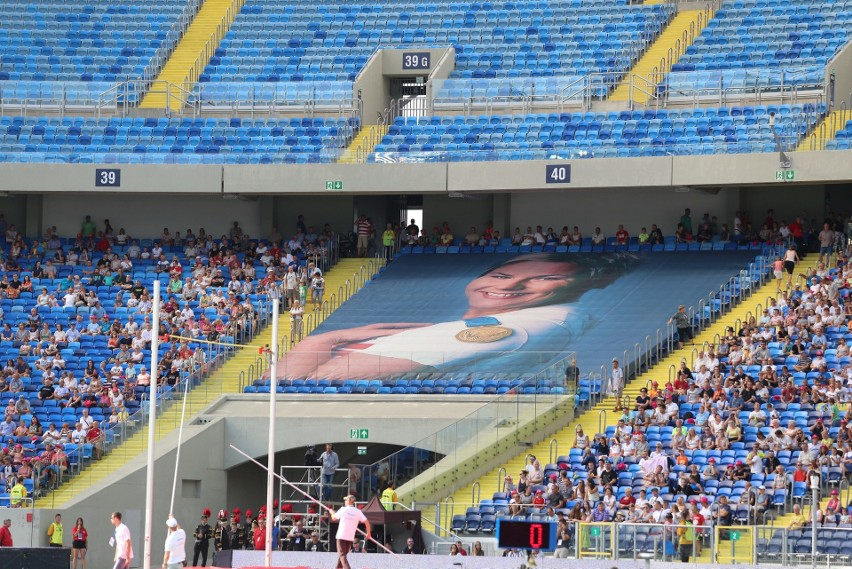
(522, 309)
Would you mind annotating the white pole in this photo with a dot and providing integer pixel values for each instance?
(152, 417)
(270, 469)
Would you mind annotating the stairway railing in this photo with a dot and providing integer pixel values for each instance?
(212, 43)
(173, 37)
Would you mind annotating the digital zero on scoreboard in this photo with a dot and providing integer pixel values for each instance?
(416, 60)
(107, 177)
(557, 174)
(526, 535)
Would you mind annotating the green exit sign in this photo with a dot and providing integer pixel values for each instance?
(334, 184)
(595, 531)
(785, 175)
(362, 451)
(735, 536)
(359, 434)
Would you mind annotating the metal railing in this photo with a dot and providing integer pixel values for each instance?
(212, 43)
(705, 311)
(835, 120)
(173, 37)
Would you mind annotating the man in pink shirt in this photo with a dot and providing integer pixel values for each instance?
(348, 518)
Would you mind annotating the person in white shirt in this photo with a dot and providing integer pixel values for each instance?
(348, 517)
(123, 543)
(616, 375)
(175, 547)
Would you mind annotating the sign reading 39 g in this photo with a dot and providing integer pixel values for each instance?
(416, 60)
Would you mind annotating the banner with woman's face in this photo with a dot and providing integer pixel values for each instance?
(452, 316)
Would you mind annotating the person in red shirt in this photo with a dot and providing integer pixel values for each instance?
(95, 437)
(6, 534)
(538, 501)
(627, 500)
(260, 535)
(621, 236)
(800, 474)
(697, 522)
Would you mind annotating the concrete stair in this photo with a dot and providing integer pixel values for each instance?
(363, 144)
(225, 380)
(191, 55)
(640, 83)
(825, 131)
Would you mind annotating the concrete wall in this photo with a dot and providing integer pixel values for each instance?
(634, 208)
(460, 213)
(146, 215)
(14, 209)
(201, 483)
(787, 201)
(372, 87)
(841, 65)
(652, 172)
(638, 189)
(333, 209)
(135, 178)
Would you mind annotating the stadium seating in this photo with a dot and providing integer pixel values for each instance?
(326, 44)
(76, 49)
(723, 130)
(842, 140)
(178, 141)
(96, 347)
(762, 44)
(804, 412)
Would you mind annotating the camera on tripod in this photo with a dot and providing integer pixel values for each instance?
(311, 456)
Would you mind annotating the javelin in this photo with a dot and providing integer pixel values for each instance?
(311, 498)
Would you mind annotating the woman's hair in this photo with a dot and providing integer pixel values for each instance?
(593, 271)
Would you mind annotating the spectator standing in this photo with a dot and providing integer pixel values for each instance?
(363, 228)
(55, 532)
(79, 543)
(616, 381)
(388, 241)
(329, 462)
(684, 327)
(6, 534)
(203, 533)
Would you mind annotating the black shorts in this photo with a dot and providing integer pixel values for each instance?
(684, 334)
(78, 544)
(789, 266)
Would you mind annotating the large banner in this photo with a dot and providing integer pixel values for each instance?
(501, 316)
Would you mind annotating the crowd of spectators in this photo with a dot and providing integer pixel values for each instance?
(736, 435)
(706, 229)
(96, 290)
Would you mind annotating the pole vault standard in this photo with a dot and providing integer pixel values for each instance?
(270, 466)
(311, 498)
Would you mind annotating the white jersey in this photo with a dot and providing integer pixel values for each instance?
(176, 546)
(348, 517)
(533, 330)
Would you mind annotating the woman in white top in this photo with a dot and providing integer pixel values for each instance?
(791, 258)
(519, 308)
